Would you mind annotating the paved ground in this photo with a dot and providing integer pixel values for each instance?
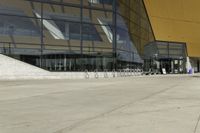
(166, 104)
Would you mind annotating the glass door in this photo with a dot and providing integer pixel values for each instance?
(166, 64)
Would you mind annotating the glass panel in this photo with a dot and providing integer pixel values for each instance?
(66, 1)
(17, 26)
(71, 30)
(135, 17)
(95, 15)
(101, 1)
(60, 10)
(99, 4)
(125, 45)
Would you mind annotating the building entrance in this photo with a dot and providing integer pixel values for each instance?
(172, 65)
(170, 56)
(165, 64)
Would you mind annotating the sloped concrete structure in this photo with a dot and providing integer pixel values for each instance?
(14, 69)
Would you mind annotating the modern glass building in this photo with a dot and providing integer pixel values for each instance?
(75, 35)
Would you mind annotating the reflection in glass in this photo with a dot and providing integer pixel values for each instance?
(10, 24)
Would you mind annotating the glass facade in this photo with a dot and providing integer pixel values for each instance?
(139, 28)
(75, 35)
(168, 55)
(14, 25)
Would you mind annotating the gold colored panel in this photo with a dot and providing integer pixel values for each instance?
(176, 20)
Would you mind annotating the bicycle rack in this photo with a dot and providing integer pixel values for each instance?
(141, 72)
(113, 73)
(87, 76)
(96, 74)
(125, 73)
(118, 73)
(121, 73)
(105, 73)
(132, 72)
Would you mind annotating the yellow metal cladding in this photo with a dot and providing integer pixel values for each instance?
(176, 20)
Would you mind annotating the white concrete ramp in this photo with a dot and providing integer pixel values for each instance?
(11, 68)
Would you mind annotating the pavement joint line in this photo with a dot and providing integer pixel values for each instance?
(85, 121)
(197, 124)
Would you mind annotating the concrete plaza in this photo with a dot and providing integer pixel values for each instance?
(149, 104)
